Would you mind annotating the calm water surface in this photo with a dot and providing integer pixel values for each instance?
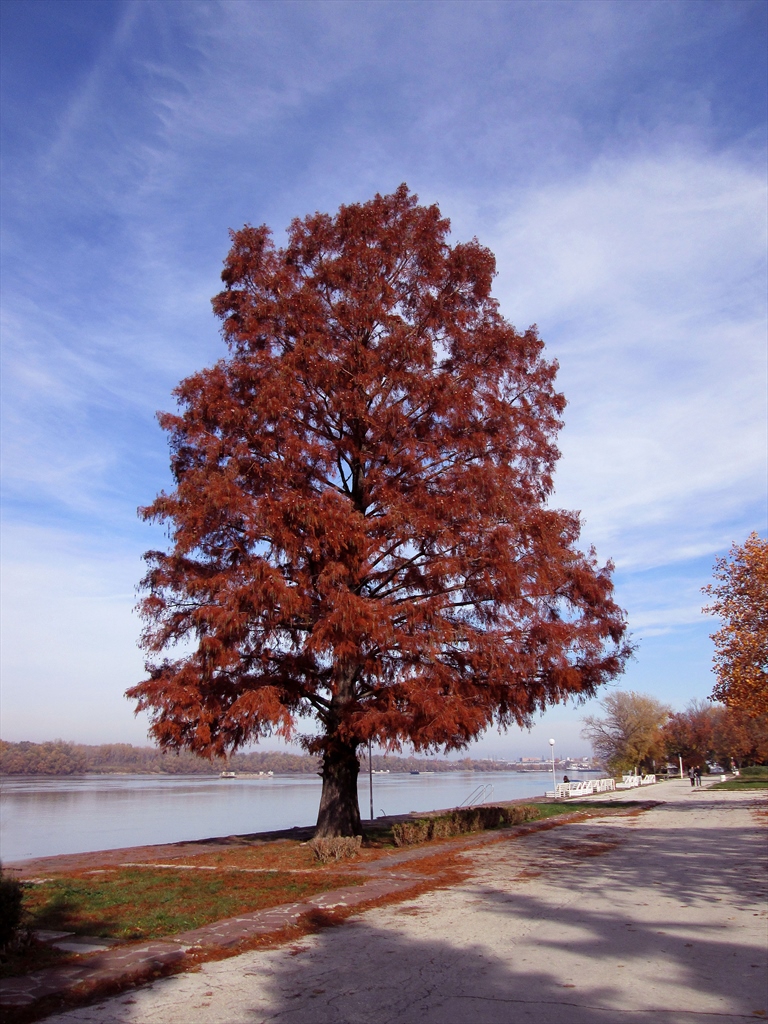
(43, 817)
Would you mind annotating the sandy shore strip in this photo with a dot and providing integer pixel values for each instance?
(654, 918)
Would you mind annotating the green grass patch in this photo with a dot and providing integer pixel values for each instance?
(554, 808)
(141, 903)
(741, 784)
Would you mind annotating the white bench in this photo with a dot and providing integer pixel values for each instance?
(584, 787)
(603, 785)
(632, 781)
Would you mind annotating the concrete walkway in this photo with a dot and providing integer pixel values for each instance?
(658, 918)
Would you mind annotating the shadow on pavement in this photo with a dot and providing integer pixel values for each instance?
(674, 941)
(654, 920)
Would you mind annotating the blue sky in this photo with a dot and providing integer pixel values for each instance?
(612, 154)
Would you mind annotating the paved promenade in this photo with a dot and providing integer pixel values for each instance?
(658, 918)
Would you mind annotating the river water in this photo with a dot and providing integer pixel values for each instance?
(46, 816)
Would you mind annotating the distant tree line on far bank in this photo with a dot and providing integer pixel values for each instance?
(636, 731)
(61, 758)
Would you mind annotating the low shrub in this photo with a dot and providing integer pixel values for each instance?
(459, 822)
(336, 848)
(11, 910)
(755, 771)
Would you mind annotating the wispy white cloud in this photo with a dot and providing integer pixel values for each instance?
(86, 99)
(645, 276)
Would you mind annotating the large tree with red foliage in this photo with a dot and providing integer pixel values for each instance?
(359, 529)
(741, 644)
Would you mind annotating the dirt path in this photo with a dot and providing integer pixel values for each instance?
(658, 918)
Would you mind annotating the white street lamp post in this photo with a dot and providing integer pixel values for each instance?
(554, 783)
(370, 777)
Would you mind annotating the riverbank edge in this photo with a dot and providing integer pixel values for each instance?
(187, 847)
(38, 845)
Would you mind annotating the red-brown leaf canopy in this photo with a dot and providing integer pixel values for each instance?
(741, 644)
(359, 526)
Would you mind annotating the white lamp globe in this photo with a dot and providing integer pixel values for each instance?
(551, 743)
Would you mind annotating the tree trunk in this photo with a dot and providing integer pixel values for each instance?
(339, 813)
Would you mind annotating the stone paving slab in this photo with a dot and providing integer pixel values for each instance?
(135, 962)
(82, 944)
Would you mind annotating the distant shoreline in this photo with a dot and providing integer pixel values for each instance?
(256, 775)
(59, 758)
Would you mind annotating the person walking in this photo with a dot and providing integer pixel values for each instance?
(697, 774)
(692, 777)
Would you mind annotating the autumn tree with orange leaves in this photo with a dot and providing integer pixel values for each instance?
(741, 644)
(359, 527)
(705, 731)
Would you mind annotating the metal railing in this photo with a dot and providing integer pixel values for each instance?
(479, 795)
